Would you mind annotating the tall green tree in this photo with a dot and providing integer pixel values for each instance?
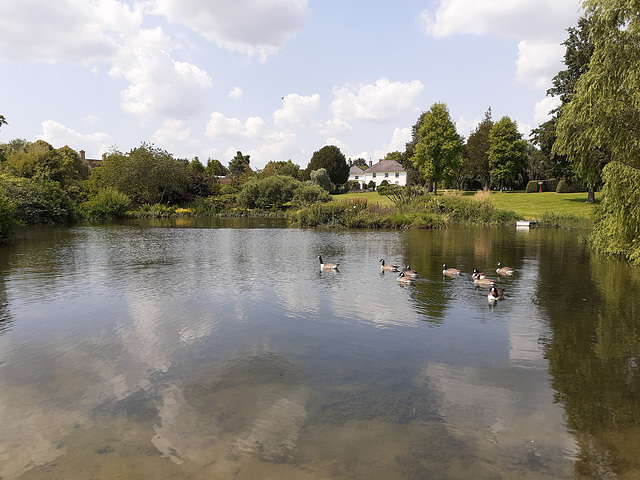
(601, 122)
(215, 168)
(507, 153)
(578, 53)
(239, 164)
(413, 174)
(287, 168)
(146, 174)
(475, 160)
(333, 161)
(438, 152)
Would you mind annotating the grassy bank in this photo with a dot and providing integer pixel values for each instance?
(529, 206)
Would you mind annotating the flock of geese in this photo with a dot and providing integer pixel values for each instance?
(407, 276)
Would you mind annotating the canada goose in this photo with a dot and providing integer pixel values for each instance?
(483, 282)
(495, 294)
(452, 272)
(327, 266)
(403, 279)
(477, 274)
(387, 268)
(410, 273)
(503, 270)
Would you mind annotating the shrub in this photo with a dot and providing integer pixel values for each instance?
(567, 187)
(108, 203)
(38, 202)
(273, 191)
(457, 208)
(308, 195)
(564, 220)
(547, 186)
(8, 222)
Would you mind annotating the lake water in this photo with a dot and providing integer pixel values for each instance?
(217, 349)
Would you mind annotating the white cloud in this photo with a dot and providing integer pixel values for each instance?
(539, 26)
(465, 127)
(67, 30)
(171, 132)
(399, 139)
(159, 85)
(543, 107)
(297, 111)
(278, 146)
(383, 101)
(220, 126)
(95, 144)
(253, 27)
(236, 93)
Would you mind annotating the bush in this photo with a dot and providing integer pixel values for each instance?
(8, 222)
(308, 195)
(273, 191)
(564, 220)
(109, 203)
(38, 202)
(567, 187)
(457, 208)
(547, 186)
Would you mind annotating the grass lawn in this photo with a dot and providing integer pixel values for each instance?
(528, 205)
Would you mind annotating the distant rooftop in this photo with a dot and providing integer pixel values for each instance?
(386, 166)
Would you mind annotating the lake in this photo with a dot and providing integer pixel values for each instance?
(216, 348)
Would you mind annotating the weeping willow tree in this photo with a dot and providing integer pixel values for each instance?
(601, 123)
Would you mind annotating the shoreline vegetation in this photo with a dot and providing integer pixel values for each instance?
(373, 211)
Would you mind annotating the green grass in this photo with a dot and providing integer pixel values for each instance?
(530, 206)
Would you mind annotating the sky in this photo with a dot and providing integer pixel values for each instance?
(275, 79)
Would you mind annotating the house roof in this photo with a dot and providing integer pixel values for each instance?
(355, 170)
(386, 166)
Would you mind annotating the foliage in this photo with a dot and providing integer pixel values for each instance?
(547, 186)
(371, 185)
(565, 186)
(3, 121)
(458, 209)
(239, 164)
(413, 174)
(321, 178)
(282, 168)
(108, 203)
(38, 202)
(360, 162)
(333, 161)
(438, 152)
(565, 220)
(146, 174)
(196, 166)
(215, 168)
(601, 121)
(40, 161)
(309, 194)
(8, 221)
(213, 205)
(617, 222)
(268, 192)
(474, 170)
(402, 195)
(507, 153)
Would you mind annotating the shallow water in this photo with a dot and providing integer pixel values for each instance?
(218, 349)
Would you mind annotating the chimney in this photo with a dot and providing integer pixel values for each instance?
(349, 161)
(81, 152)
(370, 164)
(104, 156)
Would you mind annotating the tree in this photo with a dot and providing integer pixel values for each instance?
(239, 164)
(507, 153)
(146, 174)
(282, 168)
(196, 166)
(360, 162)
(333, 161)
(578, 53)
(475, 161)
(438, 152)
(3, 121)
(215, 168)
(273, 191)
(413, 174)
(321, 178)
(601, 122)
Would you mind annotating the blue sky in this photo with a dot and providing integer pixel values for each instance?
(276, 79)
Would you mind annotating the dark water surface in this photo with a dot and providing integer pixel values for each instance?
(217, 349)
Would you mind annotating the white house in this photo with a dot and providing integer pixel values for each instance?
(388, 170)
(357, 175)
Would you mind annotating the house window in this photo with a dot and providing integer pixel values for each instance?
(374, 175)
(357, 177)
(397, 174)
(386, 174)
